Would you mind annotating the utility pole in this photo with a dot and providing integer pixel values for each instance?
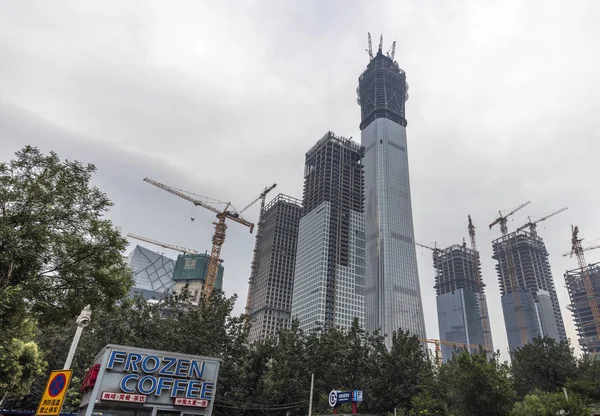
(312, 385)
(82, 321)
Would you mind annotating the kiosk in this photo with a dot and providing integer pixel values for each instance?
(126, 381)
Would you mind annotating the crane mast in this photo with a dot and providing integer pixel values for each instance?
(512, 274)
(483, 309)
(577, 248)
(218, 237)
(438, 343)
(161, 244)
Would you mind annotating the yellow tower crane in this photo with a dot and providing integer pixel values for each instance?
(228, 213)
(533, 224)
(483, 309)
(184, 250)
(512, 274)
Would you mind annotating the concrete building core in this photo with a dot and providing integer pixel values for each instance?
(269, 301)
(535, 288)
(458, 298)
(589, 339)
(393, 294)
(329, 279)
(190, 275)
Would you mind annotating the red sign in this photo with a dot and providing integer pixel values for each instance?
(123, 397)
(180, 401)
(89, 381)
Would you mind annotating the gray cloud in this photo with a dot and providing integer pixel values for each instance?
(224, 98)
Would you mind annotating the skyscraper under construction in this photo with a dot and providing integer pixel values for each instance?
(393, 294)
(459, 293)
(587, 330)
(524, 255)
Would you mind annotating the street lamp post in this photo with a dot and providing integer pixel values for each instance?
(82, 321)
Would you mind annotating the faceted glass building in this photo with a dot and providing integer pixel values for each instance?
(329, 279)
(589, 338)
(269, 301)
(535, 291)
(393, 291)
(458, 298)
(152, 273)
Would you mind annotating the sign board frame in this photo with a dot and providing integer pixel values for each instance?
(54, 394)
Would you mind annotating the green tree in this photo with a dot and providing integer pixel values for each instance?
(55, 244)
(397, 375)
(544, 364)
(474, 385)
(587, 381)
(540, 403)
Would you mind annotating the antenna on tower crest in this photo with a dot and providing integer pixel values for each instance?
(380, 43)
(370, 50)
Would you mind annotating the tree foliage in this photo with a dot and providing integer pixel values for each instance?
(544, 364)
(540, 403)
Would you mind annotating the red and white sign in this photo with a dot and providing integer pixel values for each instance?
(123, 397)
(180, 401)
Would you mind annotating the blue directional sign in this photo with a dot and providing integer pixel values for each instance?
(337, 398)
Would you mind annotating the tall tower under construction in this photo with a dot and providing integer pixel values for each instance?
(269, 301)
(393, 294)
(524, 254)
(589, 338)
(459, 293)
(329, 281)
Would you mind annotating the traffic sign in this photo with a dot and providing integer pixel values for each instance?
(54, 393)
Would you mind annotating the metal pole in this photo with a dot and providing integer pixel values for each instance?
(312, 385)
(82, 321)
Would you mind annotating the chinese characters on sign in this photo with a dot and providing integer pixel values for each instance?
(54, 393)
(122, 397)
(190, 402)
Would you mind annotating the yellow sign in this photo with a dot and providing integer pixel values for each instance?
(54, 393)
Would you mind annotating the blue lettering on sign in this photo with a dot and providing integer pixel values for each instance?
(149, 370)
(124, 381)
(131, 363)
(167, 369)
(156, 375)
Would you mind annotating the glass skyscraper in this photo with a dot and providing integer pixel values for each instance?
(152, 273)
(393, 295)
(329, 280)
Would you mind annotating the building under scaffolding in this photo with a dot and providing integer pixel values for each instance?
(272, 277)
(459, 311)
(536, 292)
(580, 307)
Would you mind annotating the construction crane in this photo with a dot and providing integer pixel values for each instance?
(370, 50)
(434, 248)
(483, 309)
(218, 237)
(512, 274)
(438, 343)
(533, 224)
(254, 266)
(578, 250)
(161, 244)
(392, 52)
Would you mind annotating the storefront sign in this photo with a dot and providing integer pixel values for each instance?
(152, 378)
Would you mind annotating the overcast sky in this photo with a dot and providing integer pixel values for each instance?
(224, 98)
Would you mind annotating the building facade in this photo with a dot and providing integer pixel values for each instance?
(190, 274)
(535, 290)
(458, 298)
(329, 279)
(269, 300)
(393, 294)
(589, 338)
(152, 273)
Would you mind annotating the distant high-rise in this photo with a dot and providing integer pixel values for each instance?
(459, 310)
(152, 273)
(589, 339)
(393, 294)
(536, 292)
(329, 280)
(269, 301)
(190, 274)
